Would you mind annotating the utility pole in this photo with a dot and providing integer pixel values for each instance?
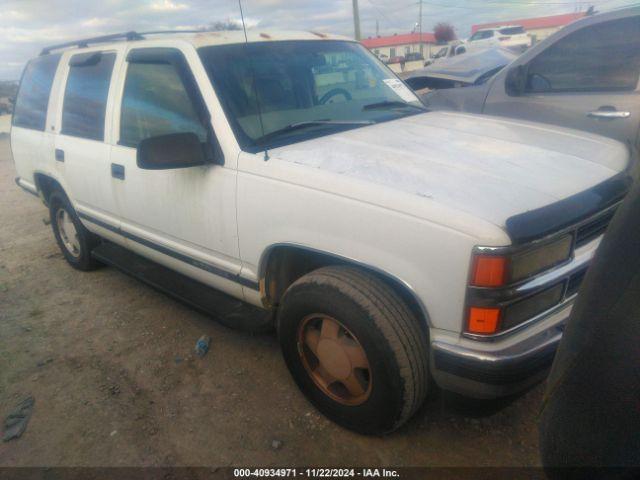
(377, 28)
(356, 20)
(420, 28)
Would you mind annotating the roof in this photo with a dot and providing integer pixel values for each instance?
(199, 39)
(402, 39)
(534, 23)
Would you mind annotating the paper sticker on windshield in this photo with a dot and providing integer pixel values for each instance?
(400, 89)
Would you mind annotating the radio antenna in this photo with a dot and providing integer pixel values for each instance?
(253, 76)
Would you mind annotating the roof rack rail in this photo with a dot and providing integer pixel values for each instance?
(162, 32)
(87, 41)
(132, 35)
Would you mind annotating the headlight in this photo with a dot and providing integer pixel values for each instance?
(491, 270)
(534, 261)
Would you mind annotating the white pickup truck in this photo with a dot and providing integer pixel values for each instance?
(394, 249)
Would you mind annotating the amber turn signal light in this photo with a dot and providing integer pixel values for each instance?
(483, 320)
(489, 271)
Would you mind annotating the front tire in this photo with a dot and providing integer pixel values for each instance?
(354, 348)
(74, 240)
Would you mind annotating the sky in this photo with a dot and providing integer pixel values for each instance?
(28, 25)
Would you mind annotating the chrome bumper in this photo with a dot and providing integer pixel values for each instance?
(502, 364)
(483, 372)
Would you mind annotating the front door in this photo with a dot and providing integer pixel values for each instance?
(587, 80)
(183, 218)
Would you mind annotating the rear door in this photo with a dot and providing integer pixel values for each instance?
(587, 79)
(81, 147)
(29, 137)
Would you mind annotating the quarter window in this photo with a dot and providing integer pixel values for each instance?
(85, 96)
(156, 102)
(33, 97)
(602, 57)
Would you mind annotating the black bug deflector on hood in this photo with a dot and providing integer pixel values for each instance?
(541, 222)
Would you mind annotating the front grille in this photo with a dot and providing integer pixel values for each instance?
(594, 228)
(574, 282)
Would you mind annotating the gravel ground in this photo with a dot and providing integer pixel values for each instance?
(110, 364)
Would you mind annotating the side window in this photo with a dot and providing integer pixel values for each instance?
(601, 57)
(85, 96)
(156, 102)
(481, 35)
(33, 97)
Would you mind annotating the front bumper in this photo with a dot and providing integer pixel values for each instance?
(490, 366)
(483, 370)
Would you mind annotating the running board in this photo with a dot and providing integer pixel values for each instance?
(224, 308)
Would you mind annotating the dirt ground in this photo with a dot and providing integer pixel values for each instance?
(110, 364)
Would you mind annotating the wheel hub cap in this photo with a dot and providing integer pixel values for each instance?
(334, 359)
(68, 232)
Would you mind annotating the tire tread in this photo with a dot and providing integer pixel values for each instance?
(394, 319)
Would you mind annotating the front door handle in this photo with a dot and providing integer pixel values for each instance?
(608, 114)
(59, 155)
(117, 171)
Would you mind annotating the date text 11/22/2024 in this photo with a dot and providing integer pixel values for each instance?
(316, 472)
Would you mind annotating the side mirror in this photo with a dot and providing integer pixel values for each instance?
(516, 81)
(174, 150)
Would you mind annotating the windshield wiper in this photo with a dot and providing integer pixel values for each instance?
(310, 123)
(392, 104)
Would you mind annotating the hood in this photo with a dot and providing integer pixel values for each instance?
(467, 67)
(488, 167)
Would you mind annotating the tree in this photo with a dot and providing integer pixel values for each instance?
(223, 25)
(444, 32)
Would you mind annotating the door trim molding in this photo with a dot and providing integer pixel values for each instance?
(174, 254)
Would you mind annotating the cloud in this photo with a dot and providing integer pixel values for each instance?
(95, 22)
(28, 25)
(168, 5)
(13, 15)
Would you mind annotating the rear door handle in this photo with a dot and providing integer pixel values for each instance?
(117, 171)
(59, 155)
(610, 114)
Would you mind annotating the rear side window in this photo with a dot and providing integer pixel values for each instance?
(156, 102)
(85, 96)
(601, 57)
(481, 35)
(511, 30)
(33, 97)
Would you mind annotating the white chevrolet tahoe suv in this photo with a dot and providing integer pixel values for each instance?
(393, 249)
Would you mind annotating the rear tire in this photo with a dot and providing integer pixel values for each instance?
(374, 394)
(74, 240)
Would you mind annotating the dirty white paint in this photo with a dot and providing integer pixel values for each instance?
(5, 123)
(487, 167)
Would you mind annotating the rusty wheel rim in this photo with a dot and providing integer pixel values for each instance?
(334, 359)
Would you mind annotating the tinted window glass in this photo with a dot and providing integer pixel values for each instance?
(33, 98)
(156, 102)
(511, 30)
(85, 96)
(601, 57)
(481, 35)
(268, 87)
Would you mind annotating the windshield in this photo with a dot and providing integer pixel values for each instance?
(441, 53)
(316, 87)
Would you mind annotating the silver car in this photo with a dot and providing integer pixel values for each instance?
(585, 76)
